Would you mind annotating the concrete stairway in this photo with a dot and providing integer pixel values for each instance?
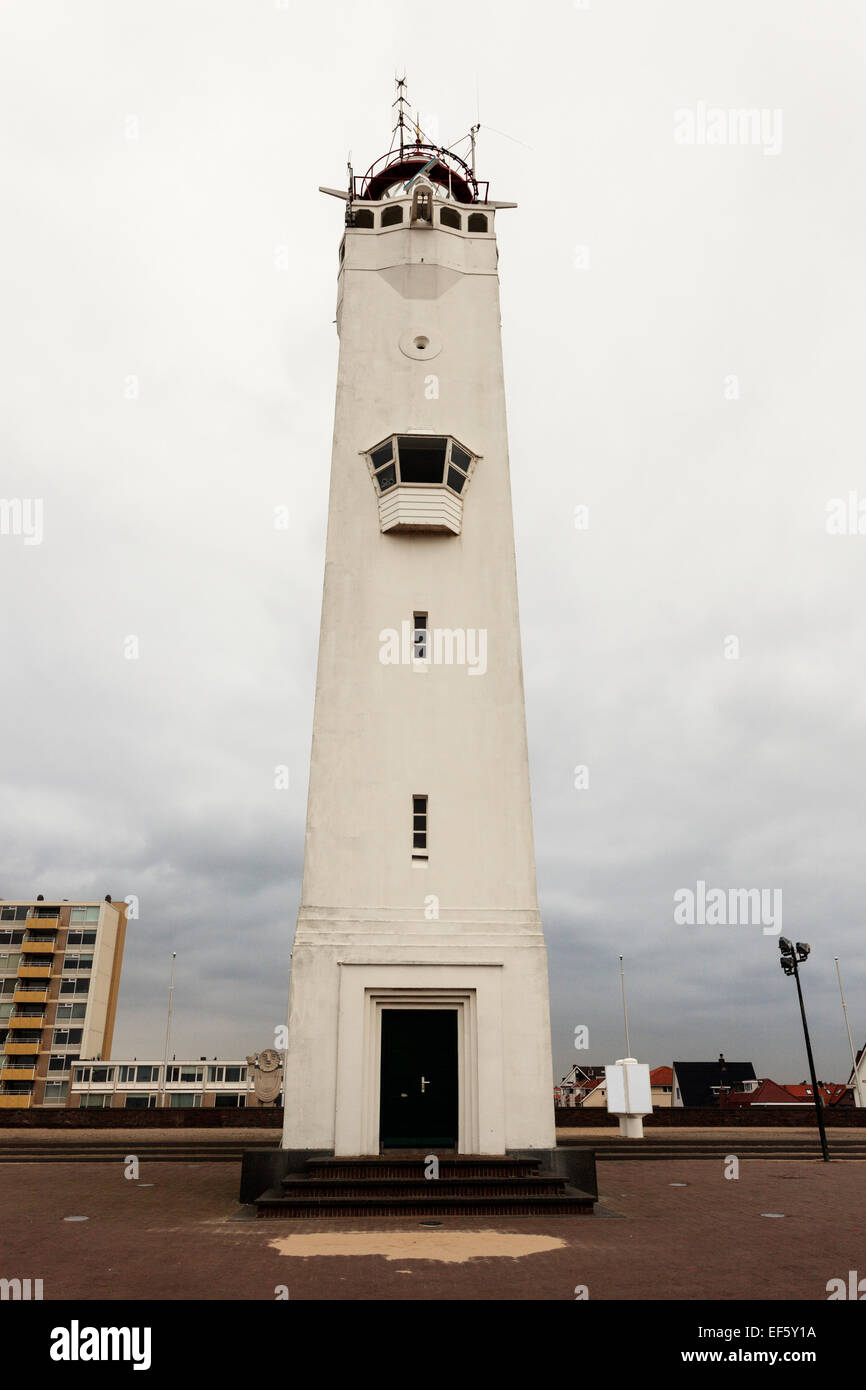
(471, 1185)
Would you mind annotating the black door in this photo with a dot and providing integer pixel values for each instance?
(418, 1079)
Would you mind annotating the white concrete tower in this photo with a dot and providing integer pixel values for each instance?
(419, 995)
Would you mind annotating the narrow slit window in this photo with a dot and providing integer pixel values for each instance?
(419, 636)
(419, 827)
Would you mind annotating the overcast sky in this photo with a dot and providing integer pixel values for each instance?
(682, 328)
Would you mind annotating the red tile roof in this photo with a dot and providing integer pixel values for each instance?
(662, 1076)
(832, 1091)
(767, 1093)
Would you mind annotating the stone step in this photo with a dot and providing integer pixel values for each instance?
(395, 1185)
(386, 1166)
(274, 1203)
(304, 1188)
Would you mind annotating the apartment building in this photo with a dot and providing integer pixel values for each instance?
(149, 1085)
(59, 980)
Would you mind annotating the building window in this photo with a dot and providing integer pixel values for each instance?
(12, 937)
(74, 986)
(67, 1037)
(78, 938)
(449, 218)
(419, 827)
(62, 1062)
(100, 1102)
(78, 963)
(185, 1100)
(9, 961)
(65, 1012)
(422, 204)
(55, 1092)
(187, 1075)
(420, 460)
(218, 1075)
(477, 222)
(383, 466)
(140, 1102)
(364, 218)
(13, 914)
(419, 636)
(84, 914)
(233, 1102)
(392, 215)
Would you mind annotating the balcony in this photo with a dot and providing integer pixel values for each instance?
(44, 923)
(18, 1074)
(34, 972)
(21, 1049)
(15, 1102)
(38, 948)
(30, 996)
(35, 1025)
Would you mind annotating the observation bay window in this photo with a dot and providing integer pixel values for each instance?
(420, 460)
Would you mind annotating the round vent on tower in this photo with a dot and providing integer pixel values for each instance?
(421, 345)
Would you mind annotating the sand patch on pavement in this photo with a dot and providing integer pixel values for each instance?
(452, 1247)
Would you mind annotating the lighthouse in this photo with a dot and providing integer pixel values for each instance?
(418, 1014)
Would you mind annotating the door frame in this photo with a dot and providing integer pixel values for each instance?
(416, 1006)
(474, 990)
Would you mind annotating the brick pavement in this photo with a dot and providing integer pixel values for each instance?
(182, 1239)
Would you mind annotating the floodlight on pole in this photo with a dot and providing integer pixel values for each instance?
(790, 956)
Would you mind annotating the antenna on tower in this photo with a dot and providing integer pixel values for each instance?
(402, 123)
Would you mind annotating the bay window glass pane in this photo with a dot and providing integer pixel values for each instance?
(387, 478)
(422, 460)
(383, 454)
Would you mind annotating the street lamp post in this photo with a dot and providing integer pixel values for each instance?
(168, 1029)
(723, 1071)
(791, 955)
